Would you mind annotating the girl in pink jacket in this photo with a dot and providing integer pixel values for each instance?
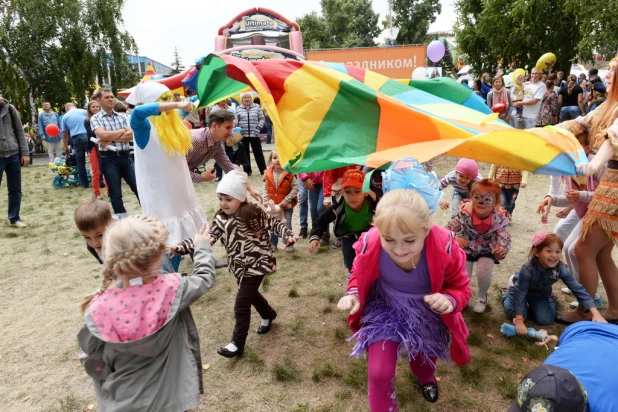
(405, 296)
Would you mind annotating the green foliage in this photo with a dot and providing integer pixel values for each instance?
(177, 65)
(413, 18)
(342, 24)
(517, 33)
(325, 371)
(55, 50)
(286, 371)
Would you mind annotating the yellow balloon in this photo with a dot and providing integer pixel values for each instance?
(546, 62)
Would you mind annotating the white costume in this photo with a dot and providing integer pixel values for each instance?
(163, 180)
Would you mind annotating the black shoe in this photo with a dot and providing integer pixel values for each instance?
(228, 353)
(303, 232)
(217, 179)
(336, 245)
(264, 329)
(220, 263)
(430, 391)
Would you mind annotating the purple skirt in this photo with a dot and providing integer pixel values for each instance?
(403, 318)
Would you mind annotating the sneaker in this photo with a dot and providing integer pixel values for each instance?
(18, 225)
(566, 291)
(303, 232)
(336, 245)
(480, 305)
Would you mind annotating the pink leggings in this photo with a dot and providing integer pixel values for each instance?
(381, 372)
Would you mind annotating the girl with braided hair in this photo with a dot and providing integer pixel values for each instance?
(138, 325)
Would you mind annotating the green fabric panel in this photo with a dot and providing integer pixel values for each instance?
(213, 84)
(443, 87)
(393, 87)
(348, 132)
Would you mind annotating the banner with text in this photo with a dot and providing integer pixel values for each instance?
(394, 62)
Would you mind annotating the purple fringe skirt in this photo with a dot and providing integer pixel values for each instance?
(404, 318)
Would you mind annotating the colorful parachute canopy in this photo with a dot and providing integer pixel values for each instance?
(328, 115)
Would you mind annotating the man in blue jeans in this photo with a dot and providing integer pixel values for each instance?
(72, 126)
(13, 155)
(115, 133)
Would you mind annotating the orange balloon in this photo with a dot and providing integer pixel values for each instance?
(52, 130)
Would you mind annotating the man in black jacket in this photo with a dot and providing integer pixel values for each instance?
(13, 155)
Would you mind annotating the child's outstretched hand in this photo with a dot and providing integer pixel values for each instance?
(204, 233)
(463, 243)
(291, 241)
(439, 303)
(544, 208)
(349, 303)
(313, 246)
(444, 205)
(521, 328)
(572, 195)
(499, 252)
(596, 316)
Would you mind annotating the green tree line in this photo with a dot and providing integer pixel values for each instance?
(55, 49)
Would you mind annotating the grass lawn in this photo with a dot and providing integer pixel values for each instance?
(303, 364)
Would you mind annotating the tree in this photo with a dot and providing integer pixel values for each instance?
(448, 67)
(413, 18)
(177, 65)
(55, 50)
(343, 24)
(517, 33)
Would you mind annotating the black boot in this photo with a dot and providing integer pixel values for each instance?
(430, 391)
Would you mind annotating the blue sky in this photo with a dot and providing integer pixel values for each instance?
(191, 25)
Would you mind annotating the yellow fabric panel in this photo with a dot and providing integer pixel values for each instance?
(303, 106)
(375, 80)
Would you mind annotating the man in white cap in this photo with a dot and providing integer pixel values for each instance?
(163, 179)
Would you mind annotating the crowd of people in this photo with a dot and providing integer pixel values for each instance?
(540, 99)
(409, 279)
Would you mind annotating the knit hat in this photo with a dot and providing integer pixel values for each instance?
(234, 184)
(353, 178)
(550, 388)
(468, 168)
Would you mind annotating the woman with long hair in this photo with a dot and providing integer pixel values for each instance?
(600, 226)
(571, 100)
(93, 152)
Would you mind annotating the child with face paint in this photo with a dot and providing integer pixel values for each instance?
(481, 230)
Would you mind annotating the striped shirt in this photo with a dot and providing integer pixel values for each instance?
(115, 121)
(451, 179)
(204, 149)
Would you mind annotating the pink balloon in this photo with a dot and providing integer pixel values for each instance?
(435, 51)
